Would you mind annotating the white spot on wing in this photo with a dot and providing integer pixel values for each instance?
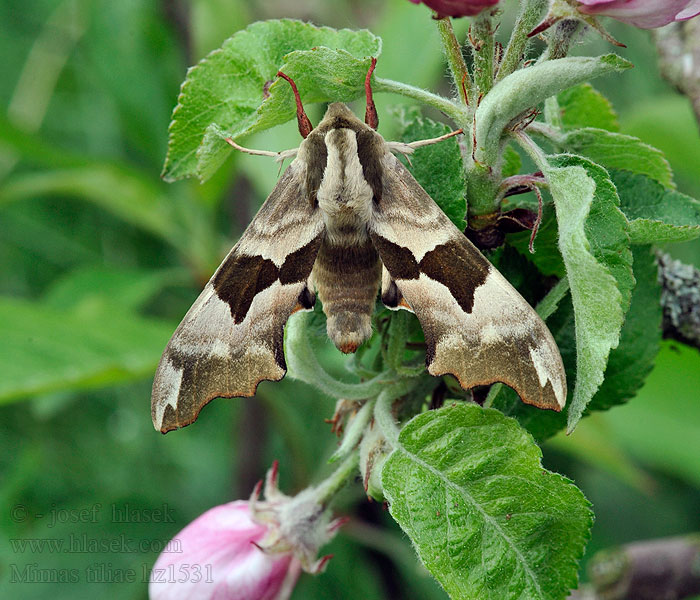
(542, 359)
(168, 382)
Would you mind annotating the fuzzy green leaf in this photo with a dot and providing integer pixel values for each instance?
(640, 340)
(594, 243)
(439, 167)
(47, 350)
(467, 485)
(628, 365)
(618, 151)
(526, 88)
(583, 106)
(656, 214)
(228, 87)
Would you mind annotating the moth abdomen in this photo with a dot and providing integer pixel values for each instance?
(347, 280)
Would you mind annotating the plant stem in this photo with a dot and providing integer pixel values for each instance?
(552, 112)
(455, 59)
(354, 431)
(452, 109)
(530, 14)
(481, 36)
(549, 304)
(534, 151)
(560, 39)
(549, 133)
(303, 364)
(384, 416)
(326, 490)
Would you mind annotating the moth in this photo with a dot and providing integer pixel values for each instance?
(345, 219)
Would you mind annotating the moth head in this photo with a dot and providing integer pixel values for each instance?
(339, 116)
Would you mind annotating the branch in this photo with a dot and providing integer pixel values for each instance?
(647, 570)
(678, 45)
(680, 299)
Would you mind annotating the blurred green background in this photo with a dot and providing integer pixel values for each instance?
(99, 260)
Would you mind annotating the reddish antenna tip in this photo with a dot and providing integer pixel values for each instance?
(305, 126)
(371, 117)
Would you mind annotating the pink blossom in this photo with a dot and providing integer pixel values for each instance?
(646, 14)
(216, 558)
(247, 550)
(457, 8)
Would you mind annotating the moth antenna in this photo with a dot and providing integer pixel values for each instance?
(371, 117)
(305, 126)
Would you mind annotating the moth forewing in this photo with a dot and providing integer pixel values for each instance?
(232, 337)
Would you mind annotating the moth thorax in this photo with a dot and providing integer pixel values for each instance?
(344, 196)
(347, 280)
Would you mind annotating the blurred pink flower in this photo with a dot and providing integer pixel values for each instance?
(247, 550)
(646, 14)
(457, 8)
(216, 558)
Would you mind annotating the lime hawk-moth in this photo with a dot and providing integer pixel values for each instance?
(346, 218)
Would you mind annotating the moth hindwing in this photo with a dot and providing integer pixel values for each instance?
(345, 218)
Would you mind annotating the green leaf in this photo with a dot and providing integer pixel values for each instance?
(594, 244)
(583, 106)
(127, 289)
(656, 214)
(526, 88)
(618, 151)
(227, 87)
(631, 362)
(439, 168)
(46, 350)
(467, 485)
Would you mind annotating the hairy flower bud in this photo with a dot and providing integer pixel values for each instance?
(246, 550)
(216, 556)
(457, 8)
(646, 14)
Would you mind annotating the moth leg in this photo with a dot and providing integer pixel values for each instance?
(307, 298)
(371, 117)
(280, 156)
(305, 126)
(392, 297)
(409, 147)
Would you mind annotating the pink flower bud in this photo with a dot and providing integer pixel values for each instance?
(215, 557)
(250, 550)
(457, 8)
(646, 14)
